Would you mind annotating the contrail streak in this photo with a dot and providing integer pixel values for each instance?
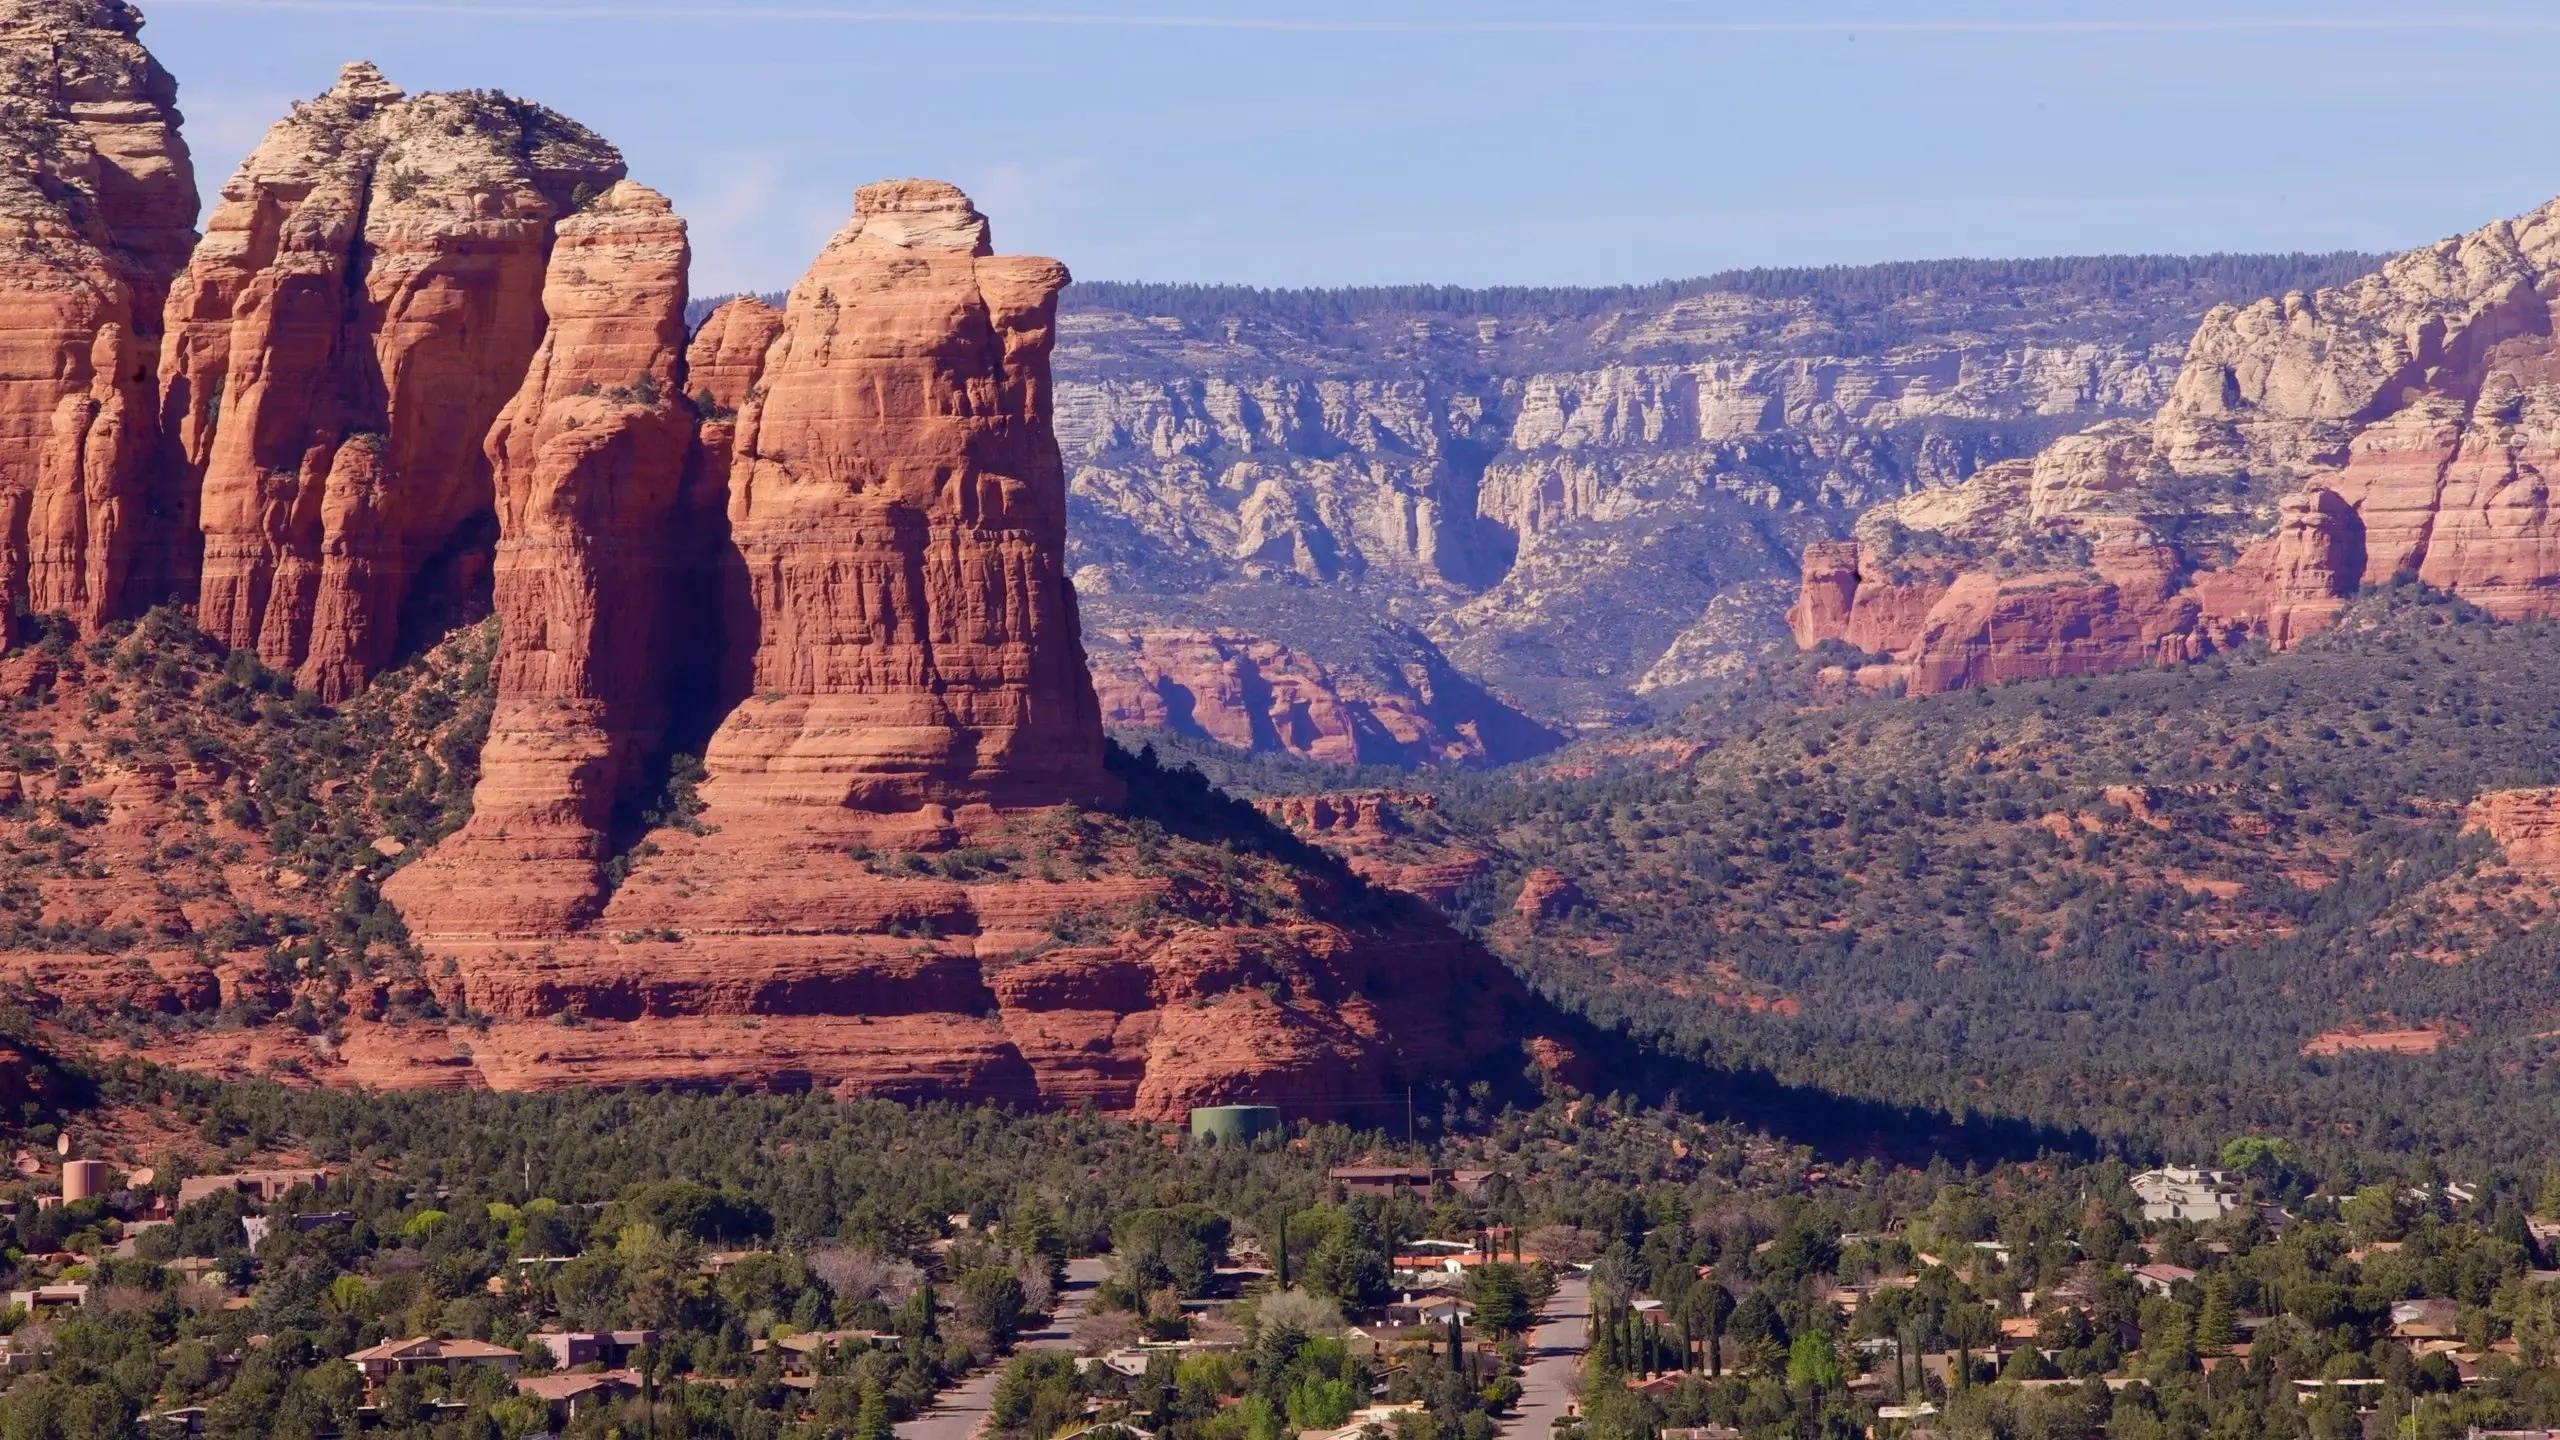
(535, 10)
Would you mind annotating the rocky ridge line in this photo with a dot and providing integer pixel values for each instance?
(2314, 445)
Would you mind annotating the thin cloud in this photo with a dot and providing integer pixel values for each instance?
(535, 10)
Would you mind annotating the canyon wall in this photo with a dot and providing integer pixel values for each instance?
(1252, 693)
(2313, 445)
(1589, 504)
(97, 213)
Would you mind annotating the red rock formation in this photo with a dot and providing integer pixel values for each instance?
(587, 457)
(2412, 416)
(366, 300)
(1375, 833)
(1829, 595)
(723, 366)
(904, 650)
(97, 211)
(2526, 825)
(1548, 895)
(904, 631)
(1252, 693)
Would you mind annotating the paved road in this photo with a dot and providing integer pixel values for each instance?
(961, 1411)
(1555, 1351)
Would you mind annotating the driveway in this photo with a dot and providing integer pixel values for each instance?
(1555, 1352)
(960, 1412)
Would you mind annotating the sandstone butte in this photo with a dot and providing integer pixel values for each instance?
(2314, 445)
(433, 348)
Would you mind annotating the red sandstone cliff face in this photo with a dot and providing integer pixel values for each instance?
(367, 298)
(903, 633)
(587, 460)
(889, 886)
(436, 344)
(97, 211)
(2314, 445)
(1252, 693)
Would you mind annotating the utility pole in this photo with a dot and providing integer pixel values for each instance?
(1408, 1114)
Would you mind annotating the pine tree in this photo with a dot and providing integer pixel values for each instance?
(871, 1417)
(2217, 1326)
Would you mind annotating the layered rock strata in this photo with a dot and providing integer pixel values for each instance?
(889, 882)
(588, 459)
(1252, 693)
(902, 631)
(433, 350)
(2525, 824)
(366, 300)
(1590, 503)
(2398, 427)
(97, 211)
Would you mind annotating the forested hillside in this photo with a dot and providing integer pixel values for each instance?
(2163, 907)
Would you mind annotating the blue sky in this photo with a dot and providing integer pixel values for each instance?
(1324, 142)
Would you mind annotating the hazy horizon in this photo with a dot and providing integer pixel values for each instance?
(1476, 144)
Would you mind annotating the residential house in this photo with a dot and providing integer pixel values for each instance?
(2420, 1320)
(1388, 1179)
(427, 1352)
(1382, 1417)
(2180, 1193)
(57, 1294)
(265, 1186)
(1662, 1384)
(1433, 1311)
(2161, 1279)
(570, 1396)
(573, 1348)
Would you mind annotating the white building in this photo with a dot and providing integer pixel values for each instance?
(2179, 1193)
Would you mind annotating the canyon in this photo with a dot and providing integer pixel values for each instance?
(2314, 445)
(1437, 527)
(775, 762)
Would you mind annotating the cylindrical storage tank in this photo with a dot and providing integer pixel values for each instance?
(1234, 1124)
(83, 1179)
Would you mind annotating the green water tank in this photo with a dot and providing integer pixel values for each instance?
(1234, 1124)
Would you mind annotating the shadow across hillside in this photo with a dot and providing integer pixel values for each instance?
(1612, 1060)
(1837, 1127)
